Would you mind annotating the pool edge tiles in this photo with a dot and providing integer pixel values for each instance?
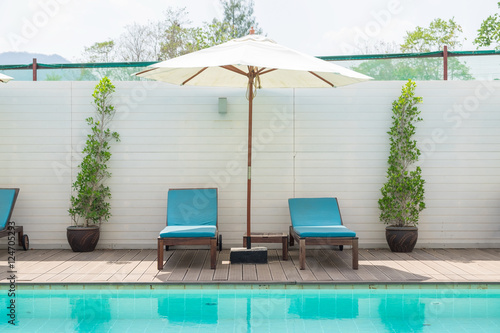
(256, 286)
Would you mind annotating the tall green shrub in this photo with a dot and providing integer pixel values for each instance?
(403, 193)
(89, 205)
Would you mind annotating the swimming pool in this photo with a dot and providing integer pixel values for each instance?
(253, 308)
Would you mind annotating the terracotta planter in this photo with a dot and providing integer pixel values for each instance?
(401, 239)
(83, 239)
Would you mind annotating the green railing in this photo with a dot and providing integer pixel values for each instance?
(438, 65)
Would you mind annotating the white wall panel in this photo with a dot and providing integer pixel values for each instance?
(307, 143)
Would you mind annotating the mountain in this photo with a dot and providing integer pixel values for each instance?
(23, 58)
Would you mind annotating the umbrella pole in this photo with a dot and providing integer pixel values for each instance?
(249, 170)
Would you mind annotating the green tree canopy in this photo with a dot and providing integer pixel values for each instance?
(439, 33)
(433, 38)
(174, 36)
(100, 52)
(239, 15)
(489, 32)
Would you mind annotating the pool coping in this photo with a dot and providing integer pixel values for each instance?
(252, 285)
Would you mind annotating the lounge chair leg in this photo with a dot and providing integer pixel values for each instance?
(20, 235)
(285, 248)
(160, 255)
(302, 254)
(355, 254)
(213, 253)
(291, 236)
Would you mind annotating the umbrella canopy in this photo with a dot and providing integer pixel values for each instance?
(5, 78)
(253, 62)
(229, 64)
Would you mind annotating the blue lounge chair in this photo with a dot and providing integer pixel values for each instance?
(317, 221)
(191, 220)
(8, 197)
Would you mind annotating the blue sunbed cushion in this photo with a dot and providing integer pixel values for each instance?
(188, 231)
(7, 196)
(192, 207)
(324, 231)
(314, 212)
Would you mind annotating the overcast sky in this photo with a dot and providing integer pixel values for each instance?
(316, 27)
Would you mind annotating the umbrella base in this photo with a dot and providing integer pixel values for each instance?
(241, 255)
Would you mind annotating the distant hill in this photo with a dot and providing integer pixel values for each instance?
(23, 58)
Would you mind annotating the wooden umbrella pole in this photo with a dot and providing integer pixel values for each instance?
(251, 76)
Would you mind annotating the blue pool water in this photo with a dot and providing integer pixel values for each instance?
(240, 308)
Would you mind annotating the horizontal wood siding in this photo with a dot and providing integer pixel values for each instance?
(307, 143)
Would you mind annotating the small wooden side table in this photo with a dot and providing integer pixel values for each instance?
(269, 237)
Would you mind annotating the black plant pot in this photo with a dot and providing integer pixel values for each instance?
(83, 239)
(401, 239)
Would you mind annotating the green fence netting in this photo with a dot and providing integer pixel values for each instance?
(462, 65)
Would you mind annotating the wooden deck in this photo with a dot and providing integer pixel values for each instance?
(193, 266)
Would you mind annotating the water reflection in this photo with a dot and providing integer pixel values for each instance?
(256, 310)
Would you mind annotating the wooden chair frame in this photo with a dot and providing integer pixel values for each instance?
(340, 241)
(213, 242)
(22, 239)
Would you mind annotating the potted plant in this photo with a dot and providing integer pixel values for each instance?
(89, 206)
(403, 193)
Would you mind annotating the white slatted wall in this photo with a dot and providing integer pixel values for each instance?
(307, 143)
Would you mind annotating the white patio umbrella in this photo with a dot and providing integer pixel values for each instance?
(251, 62)
(4, 78)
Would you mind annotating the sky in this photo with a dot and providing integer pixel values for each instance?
(316, 27)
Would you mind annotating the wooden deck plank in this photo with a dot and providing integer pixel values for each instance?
(110, 269)
(235, 272)
(377, 274)
(141, 267)
(393, 269)
(52, 262)
(478, 259)
(207, 273)
(343, 261)
(322, 265)
(289, 268)
(313, 262)
(88, 272)
(443, 268)
(263, 272)
(222, 270)
(169, 266)
(180, 270)
(32, 259)
(63, 271)
(37, 271)
(446, 263)
(127, 268)
(331, 268)
(464, 264)
(277, 273)
(194, 270)
(250, 272)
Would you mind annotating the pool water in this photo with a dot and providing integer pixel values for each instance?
(252, 308)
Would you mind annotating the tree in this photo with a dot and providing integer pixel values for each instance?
(239, 15)
(489, 32)
(135, 43)
(209, 35)
(177, 38)
(403, 193)
(100, 52)
(90, 202)
(433, 38)
(439, 33)
(172, 36)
